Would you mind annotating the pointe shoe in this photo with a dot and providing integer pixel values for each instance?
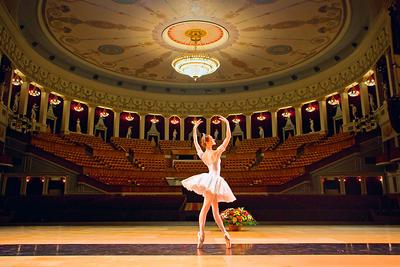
(227, 240)
(200, 240)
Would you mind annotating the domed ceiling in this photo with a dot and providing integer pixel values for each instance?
(138, 40)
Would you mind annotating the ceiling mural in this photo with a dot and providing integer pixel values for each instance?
(139, 39)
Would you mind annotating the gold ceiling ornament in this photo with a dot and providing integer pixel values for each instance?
(195, 64)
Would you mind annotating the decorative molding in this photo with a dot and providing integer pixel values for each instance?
(351, 69)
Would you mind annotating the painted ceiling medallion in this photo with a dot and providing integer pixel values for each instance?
(179, 35)
(195, 64)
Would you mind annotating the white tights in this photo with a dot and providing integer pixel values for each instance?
(210, 200)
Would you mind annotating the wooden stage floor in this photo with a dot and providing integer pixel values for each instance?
(173, 244)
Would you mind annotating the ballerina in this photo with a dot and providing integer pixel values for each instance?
(210, 185)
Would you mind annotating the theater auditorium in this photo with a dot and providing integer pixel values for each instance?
(199, 133)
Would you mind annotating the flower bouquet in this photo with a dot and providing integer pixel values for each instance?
(236, 218)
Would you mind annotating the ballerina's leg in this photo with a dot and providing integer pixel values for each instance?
(216, 215)
(204, 210)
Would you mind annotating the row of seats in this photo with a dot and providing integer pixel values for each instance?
(136, 145)
(253, 145)
(294, 142)
(277, 159)
(94, 142)
(72, 153)
(151, 162)
(323, 149)
(167, 145)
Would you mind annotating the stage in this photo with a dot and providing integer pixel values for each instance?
(174, 244)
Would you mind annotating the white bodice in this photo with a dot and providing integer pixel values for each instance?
(212, 159)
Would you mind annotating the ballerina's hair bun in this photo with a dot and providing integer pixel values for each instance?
(204, 140)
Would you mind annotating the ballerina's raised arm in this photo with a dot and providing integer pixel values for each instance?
(225, 143)
(195, 141)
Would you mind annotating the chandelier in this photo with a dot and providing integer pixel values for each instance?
(195, 65)
(129, 117)
(370, 81)
(78, 107)
(261, 117)
(104, 113)
(286, 114)
(215, 121)
(55, 101)
(333, 101)
(310, 108)
(174, 120)
(353, 92)
(236, 120)
(33, 91)
(16, 80)
(154, 119)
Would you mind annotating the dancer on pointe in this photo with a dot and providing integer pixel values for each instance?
(210, 185)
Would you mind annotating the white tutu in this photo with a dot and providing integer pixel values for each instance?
(215, 184)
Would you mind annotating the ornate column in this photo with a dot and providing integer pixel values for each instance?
(66, 115)
(117, 117)
(274, 123)
(182, 128)
(223, 129)
(344, 99)
(299, 123)
(141, 126)
(44, 103)
(166, 127)
(378, 100)
(91, 110)
(208, 125)
(248, 126)
(323, 116)
(364, 98)
(23, 101)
